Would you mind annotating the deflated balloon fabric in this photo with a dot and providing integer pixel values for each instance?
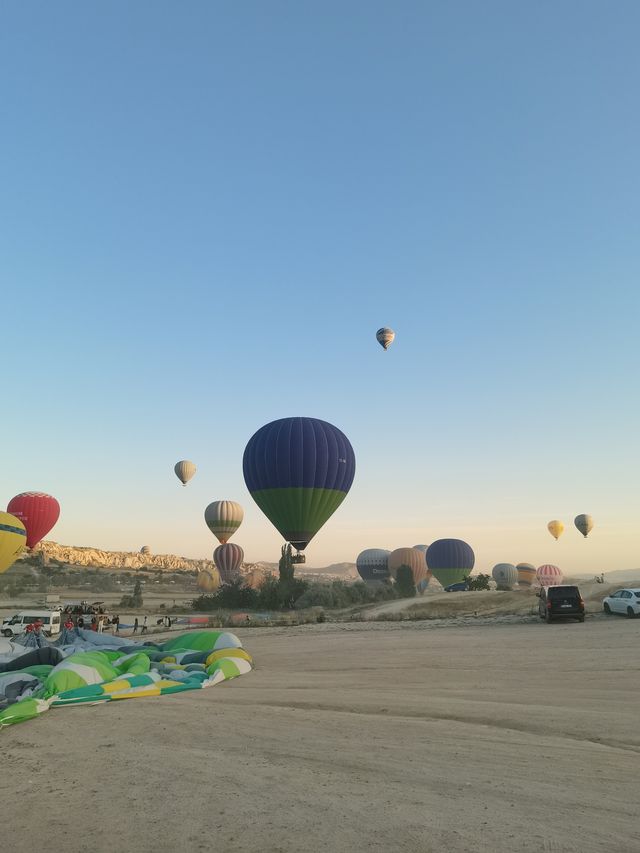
(96, 668)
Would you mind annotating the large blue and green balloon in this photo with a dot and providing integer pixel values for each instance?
(450, 560)
(298, 471)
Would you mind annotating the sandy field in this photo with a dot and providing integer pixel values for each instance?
(349, 737)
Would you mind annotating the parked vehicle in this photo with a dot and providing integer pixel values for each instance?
(16, 625)
(560, 602)
(625, 601)
(462, 586)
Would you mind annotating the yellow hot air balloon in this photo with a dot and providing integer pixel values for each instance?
(13, 537)
(208, 581)
(555, 528)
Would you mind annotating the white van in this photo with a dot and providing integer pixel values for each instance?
(51, 622)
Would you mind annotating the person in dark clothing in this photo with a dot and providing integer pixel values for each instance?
(116, 624)
(80, 622)
(135, 625)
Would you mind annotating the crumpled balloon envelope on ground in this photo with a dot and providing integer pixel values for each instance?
(85, 667)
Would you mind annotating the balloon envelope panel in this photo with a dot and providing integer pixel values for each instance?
(450, 560)
(298, 471)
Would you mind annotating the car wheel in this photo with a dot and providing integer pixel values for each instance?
(606, 609)
(631, 613)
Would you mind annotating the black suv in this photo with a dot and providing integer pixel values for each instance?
(557, 602)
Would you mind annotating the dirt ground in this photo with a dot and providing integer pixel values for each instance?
(353, 737)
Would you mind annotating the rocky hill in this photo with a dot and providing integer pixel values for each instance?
(73, 555)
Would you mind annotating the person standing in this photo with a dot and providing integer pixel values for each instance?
(116, 624)
(144, 625)
(135, 625)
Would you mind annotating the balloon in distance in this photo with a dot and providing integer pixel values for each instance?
(373, 565)
(555, 528)
(228, 559)
(526, 574)
(450, 560)
(223, 518)
(184, 470)
(549, 575)
(505, 575)
(385, 337)
(584, 523)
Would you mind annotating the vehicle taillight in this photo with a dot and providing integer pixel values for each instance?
(582, 603)
(548, 605)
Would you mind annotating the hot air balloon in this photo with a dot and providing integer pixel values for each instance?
(555, 528)
(548, 575)
(223, 519)
(208, 581)
(450, 560)
(13, 538)
(422, 548)
(145, 549)
(228, 559)
(184, 471)
(584, 523)
(298, 471)
(408, 557)
(526, 574)
(505, 575)
(372, 565)
(37, 511)
(385, 337)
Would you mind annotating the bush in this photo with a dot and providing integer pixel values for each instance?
(478, 582)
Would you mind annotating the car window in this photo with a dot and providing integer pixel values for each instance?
(625, 594)
(563, 592)
(637, 594)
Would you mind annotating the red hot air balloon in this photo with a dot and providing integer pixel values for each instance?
(37, 511)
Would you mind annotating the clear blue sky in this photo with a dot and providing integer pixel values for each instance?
(207, 209)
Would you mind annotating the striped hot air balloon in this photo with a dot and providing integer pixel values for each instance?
(228, 559)
(145, 549)
(505, 575)
(38, 512)
(450, 560)
(526, 574)
(549, 575)
(298, 471)
(223, 518)
(13, 538)
(372, 565)
(385, 337)
(412, 558)
(184, 470)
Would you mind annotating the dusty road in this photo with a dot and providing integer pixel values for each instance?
(359, 737)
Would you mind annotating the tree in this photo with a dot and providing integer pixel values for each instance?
(478, 582)
(405, 585)
(137, 594)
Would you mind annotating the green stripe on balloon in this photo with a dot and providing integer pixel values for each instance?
(449, 576)
(298, 513)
